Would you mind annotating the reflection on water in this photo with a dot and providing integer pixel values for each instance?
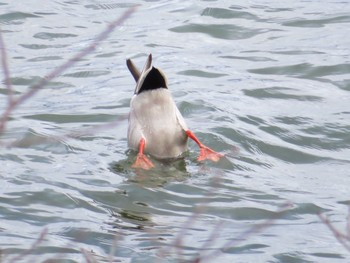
(165, 171)
(266, 84)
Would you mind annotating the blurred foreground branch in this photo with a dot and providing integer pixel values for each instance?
(342, 238)
(245, 235)
(32, 248)
(13, 103)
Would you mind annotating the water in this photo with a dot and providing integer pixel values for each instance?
(266, 83)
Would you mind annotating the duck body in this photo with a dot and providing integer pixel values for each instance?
(155, 117)
(156, 126)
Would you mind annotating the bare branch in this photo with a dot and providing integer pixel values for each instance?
(215, 232)
(88, 256)
(342, 238)
(59, 70)
(348, 224)
(34, 246)
(6, 70)
(246, 234)
(69, 63)
(199, 210)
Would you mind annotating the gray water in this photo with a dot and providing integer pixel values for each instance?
(266, 83)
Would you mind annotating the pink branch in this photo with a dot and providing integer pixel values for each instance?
(342, 238)
(69, 63)
(6, 70)
(34, 246)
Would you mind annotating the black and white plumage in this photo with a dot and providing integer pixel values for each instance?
(156, 126)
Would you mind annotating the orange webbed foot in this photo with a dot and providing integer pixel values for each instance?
(142, 162)
(207, 153)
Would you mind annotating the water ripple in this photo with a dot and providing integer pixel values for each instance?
(222, 13)
(282, 93)
(13, 17)
(317, 22)
(305, 70)
(266, 84)
(222, 31)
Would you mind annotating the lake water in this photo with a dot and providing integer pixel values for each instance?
(267, 83)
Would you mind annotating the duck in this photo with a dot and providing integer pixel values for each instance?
(155, 124)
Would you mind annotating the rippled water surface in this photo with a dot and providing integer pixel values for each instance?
(267, 83)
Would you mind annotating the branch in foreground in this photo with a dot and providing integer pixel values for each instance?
(255, 229)
(34, 246)
(343, 239)
(6, 70)
(14, 103)
(177, 244)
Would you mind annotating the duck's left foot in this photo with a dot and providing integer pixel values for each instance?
(142, 162)
(207, 153)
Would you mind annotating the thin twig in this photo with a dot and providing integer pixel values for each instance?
(88, 256)
(342, 239)
(35, 245)
(6, 69)
(59, 70)
(246, 234)
(199, 210)
(215, 232)
(348, 223)
(69, 63)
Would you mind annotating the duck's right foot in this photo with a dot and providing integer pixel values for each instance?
(142, 162)
(208, 154)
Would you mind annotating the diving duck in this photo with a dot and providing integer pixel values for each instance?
(156, 126)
